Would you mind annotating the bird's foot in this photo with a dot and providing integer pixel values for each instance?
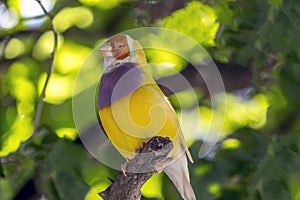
(159, 170)
(124, 166)
(139, 149)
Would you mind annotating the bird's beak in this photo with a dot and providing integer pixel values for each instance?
(105, 50)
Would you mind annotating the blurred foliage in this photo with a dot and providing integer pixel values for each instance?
(258, 157)
(195, 20)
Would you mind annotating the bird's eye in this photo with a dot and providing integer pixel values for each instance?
(120, 46)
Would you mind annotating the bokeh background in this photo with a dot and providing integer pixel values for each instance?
(254, 43)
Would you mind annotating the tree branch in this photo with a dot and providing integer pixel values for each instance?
(151, 158)
(49, 71)
(234, 77)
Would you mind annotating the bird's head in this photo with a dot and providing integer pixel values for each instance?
(119, 49)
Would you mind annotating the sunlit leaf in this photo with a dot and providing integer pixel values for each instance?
(214, 188)
(231, 143)
(70, 57)
(195, 20)
(17, 70)
(20, 120)
(295, 189)
(164, 63)
(20, 131)
(243, 113)
(23, 90)
(103, 4)
(278, 108)
(239, 113)
(14, 48)
(208, 132)
(96, 177)
(59, 88)
(44, 45)
(93, 192)
(80, 17)
(16, 4)
(153, 187)
(203, 169)
(184, 100)
(69, 133)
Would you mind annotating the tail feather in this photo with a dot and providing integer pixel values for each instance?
(189, 156)
(179, 175)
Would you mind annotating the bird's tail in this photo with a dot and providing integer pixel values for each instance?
(179, 174)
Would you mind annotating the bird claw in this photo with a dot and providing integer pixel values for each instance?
(159, 170)
(139, 149)
(124, 166)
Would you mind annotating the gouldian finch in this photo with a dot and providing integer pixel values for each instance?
(133, 109)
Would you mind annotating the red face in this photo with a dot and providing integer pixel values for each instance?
(116, 47)
(120, 48)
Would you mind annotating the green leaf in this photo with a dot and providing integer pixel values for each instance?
(275, 2)
(6, 190)
(69, 157)
(290, 82)
(223, 11)
(290, 159)
(67, 162)
(68, 186)
(275, 190)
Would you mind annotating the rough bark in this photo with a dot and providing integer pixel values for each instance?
(151, 158)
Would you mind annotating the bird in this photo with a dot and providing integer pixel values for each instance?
(132, 108)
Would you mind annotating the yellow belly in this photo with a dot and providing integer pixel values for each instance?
(135, 119)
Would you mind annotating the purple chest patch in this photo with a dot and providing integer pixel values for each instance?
(119, 83)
